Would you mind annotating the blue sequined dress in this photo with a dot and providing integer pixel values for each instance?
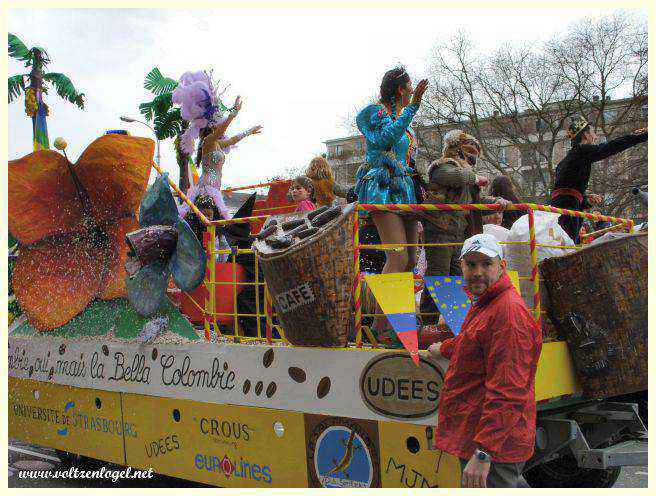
(385, 177)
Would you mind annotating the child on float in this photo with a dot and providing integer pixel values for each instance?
(502, 187)
(209, 209)
(301, 191)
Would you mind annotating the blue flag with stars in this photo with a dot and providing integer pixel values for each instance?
(451, 300)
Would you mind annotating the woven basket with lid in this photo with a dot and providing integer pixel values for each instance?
(606, 286)
(311, 282)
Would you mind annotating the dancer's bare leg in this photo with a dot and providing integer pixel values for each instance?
(391, 230)
(412, 237)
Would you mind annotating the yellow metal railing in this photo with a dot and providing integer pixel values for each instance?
(264, 312)
(530, 208)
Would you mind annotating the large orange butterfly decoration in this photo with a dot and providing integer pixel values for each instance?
(71, 221)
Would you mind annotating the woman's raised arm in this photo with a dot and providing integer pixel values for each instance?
(220, 129)
(238, 137)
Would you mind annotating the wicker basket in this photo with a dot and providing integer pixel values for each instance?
(598, 301)
(311, 283)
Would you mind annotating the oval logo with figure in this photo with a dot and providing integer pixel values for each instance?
(341, 454)
(342, 459)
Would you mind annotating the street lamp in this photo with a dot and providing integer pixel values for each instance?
(130, 119)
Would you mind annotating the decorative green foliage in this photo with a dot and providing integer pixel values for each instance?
(169, 124)
(62, 83)
(116, 316)
(158, 84)
(65, 88)
(166, 119)
(16, 87)
(18, 50)
(147, 286)
(45, 58)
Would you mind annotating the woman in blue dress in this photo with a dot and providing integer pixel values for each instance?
(385, 177)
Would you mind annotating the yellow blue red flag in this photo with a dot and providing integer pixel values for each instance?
(395, 295)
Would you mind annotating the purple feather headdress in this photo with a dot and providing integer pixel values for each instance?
(200, 106)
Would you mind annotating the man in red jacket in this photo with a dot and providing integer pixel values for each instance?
(487, 403)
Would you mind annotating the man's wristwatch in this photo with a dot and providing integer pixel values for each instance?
(481, 456)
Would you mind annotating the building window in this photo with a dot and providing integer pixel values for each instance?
(541, 125)
(536, 154)
(533, 180)
(643, 112)
(503, 155)
(609, 115)
(338, 150)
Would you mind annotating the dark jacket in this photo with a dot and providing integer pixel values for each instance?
(573, 171)
(510, 217)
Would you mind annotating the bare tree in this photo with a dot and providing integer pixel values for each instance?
(518, 100)
(288, 172)
(347, 120)
(611, 62)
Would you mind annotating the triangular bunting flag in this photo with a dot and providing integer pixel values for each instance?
(395, 295)
(452, 301)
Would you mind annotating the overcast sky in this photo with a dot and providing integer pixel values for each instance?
(299, 75)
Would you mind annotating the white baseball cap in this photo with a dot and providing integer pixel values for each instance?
(482, 243)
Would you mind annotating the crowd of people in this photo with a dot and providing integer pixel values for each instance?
(391, 176)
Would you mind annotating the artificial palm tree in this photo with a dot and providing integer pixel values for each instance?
(34, 85)
(167, 120)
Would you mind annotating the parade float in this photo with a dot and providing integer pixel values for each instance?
(103, 364)
(137, 339)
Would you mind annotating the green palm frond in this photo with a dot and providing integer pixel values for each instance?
(167, 120)
(163, 103)
(147, 109)
(65, 88)
(16, 86)
(158, 84)
(168, 124)
(44, 55)
(159, 106)
(18, 50)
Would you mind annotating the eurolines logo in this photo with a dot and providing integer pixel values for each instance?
(240, 470)
(64, 430)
